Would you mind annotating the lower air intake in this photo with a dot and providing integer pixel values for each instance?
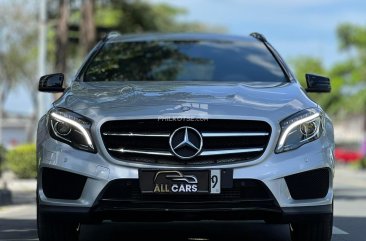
(62, 185)
(309, 185)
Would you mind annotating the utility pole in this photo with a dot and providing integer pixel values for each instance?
(42, 52)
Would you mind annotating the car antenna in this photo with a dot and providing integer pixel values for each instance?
(259, 36)
(111, 35)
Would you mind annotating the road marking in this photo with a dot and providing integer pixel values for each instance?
(338, 231)
(25, 211)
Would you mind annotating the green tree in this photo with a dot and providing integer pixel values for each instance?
(2, 159)
(19, 34)
(18, 50)
(22, 161)
(349, 73)
(306, 64)
(352, 39)
(142, 16)
(89, 20)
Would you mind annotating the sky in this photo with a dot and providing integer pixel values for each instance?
(294, 27)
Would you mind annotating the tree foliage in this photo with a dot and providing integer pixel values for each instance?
(348, 77)
(18, 50)
(142, 16)
(306, 64)
(18, 45)
(22, 161)
(69, 37)
(351, 36)
(125, 16)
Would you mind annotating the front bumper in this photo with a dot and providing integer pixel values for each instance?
(245, 199)
(162, 214)
(99, 172)
(272, 171)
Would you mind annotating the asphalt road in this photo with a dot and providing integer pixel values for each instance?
(18, 222)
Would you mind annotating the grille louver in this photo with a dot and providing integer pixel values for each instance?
(224, 141)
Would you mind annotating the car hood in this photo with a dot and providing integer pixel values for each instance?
(143, 100)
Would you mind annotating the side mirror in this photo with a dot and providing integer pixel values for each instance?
(51, 83)
(317, 83)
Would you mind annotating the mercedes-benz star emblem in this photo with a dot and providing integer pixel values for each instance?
(186, 142)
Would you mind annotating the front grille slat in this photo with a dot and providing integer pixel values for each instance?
(136, 134)
(204, 153)
(228, 152)
(233, 134)
(224, 141)
(204, 134)
(143, 152)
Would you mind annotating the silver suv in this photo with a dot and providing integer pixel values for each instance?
(165, 127)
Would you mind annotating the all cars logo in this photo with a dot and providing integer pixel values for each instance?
(174, 182)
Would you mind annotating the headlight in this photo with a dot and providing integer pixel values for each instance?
(70, 128)
(299, 129)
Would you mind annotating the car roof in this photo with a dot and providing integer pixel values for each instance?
(178, 37)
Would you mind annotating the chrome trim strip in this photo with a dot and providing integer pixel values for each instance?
(136, 134)
(204, 134)
(204, 153)
(232, 151)
(156, 153)
(233, 134)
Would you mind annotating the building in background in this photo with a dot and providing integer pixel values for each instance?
(15, 130)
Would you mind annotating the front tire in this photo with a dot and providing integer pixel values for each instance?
(316, 230)
(52, 228)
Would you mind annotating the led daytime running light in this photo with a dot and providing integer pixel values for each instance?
(75, 124)
(293, 126)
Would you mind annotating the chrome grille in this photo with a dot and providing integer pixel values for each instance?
(224, 141)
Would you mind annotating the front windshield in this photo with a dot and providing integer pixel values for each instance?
(238, 61)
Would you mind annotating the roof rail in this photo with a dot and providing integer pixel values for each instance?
(110, 35)
(259, 36)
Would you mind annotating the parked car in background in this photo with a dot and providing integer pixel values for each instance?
(165, 127)
(347, 155)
